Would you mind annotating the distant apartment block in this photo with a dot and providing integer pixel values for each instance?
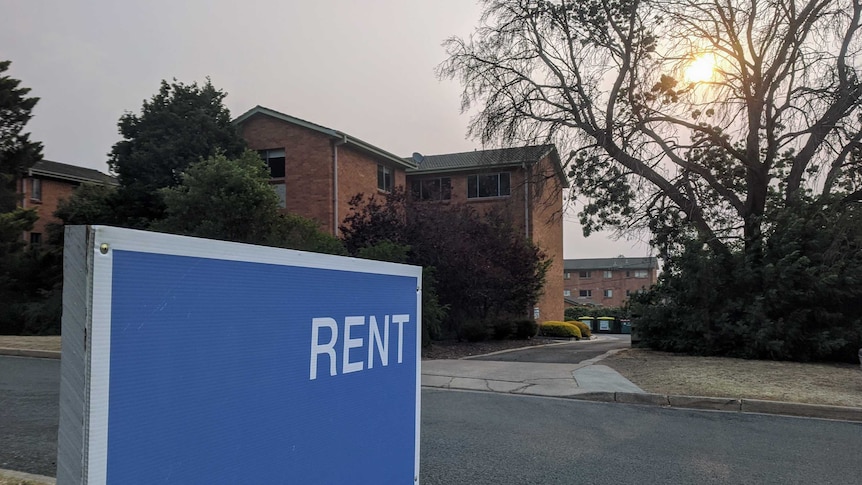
(607, 282)
(46, 183)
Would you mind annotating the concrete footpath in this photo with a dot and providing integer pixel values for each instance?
(592, 381)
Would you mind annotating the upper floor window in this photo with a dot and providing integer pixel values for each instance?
(384, 178)
(640, 273)
(567, 275)
(488, 185)
(585, 274)
(585, 293)
(275, 161)
(35, 238)
(608, 274)
(431, 189)
(567, 292)
(608, 293)
(36, 189)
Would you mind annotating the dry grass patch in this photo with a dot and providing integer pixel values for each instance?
(666, 373)
(30, 343)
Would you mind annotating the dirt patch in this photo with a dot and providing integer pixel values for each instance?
(666, 373)
(51, 343)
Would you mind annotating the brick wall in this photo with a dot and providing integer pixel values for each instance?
(309, 176)
(308, 165)
(619, 281)
(53, 191)
(546, 227)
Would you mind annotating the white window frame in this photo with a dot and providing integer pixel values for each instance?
(608, 293)
(585, 293)
(36, 189)
(474, 179)
(385, 178)
(608, 274)
(567, 292)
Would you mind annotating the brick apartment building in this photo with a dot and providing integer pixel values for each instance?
(46, 183)
(316, 171)
(607, 282)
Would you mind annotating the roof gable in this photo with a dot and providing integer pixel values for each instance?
(72, 173)
(335, 134)
(494, 158)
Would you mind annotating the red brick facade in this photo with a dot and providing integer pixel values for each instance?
(47, 183)
(607, 282)
(316, 189)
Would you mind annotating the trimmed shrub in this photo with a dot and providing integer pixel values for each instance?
(584, 328)
(502, 329)
(560, 329)
(475, 331)
(525, 329)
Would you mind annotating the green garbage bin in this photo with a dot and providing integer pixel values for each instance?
(590, 322)
(608, 325)
(626, 326)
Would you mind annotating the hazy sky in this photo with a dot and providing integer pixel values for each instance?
(362, 67)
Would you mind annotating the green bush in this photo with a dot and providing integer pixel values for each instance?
(560, 329)
(502, 329)
(475, 331)
(583, 327)
(525, 329)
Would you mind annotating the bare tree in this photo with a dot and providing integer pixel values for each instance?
(773, 116)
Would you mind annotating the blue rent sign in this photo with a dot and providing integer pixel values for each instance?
(215, 362)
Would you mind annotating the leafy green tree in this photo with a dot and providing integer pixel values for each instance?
(180, 125)
(19, 282)
(17, 151)
(714, 124)
(491, 272)
(661, 142)
(231, 199)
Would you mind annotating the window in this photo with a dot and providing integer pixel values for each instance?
(567, 276)
(274, 159)
(488, 185)
(35, 237)
(281, 192)
(585, 274)
(36, 189)
(628, 292)
(608, 274)
(384, 178)
(609, 293)
(585, 293)
(641, 273)
(567, 293)
(431, 189)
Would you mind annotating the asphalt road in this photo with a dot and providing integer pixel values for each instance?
(570, 353)
(29, 414)
(484, 438)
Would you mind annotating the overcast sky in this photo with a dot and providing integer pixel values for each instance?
(362, 67)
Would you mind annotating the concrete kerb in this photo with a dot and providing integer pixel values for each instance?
(40, 354)
(752, 406)
(40, 479)
(552, 344)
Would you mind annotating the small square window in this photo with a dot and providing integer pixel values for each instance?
(567, 276)
(609, 293)
(275, 160)
(567, 293)
(35, 237)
